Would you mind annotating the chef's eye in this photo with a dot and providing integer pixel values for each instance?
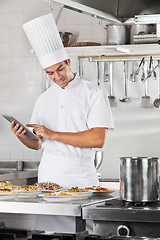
(60, 69)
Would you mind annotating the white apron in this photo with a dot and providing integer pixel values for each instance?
(67, 171)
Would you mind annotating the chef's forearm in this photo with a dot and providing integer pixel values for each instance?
(30, 143)
(93, 138)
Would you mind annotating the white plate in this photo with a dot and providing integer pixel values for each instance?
(81, 195)
(28, 194)
(57, 198)
(8, 196)
(102, 192)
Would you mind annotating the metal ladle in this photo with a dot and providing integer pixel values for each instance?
(125, 98)
(106, 74)
(132, 75)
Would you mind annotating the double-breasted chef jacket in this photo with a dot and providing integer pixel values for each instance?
(82, 105)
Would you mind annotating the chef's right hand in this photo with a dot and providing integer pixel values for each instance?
(17, 130)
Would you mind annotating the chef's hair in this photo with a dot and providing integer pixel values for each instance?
(66, 62)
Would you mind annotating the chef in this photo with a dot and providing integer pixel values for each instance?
(71, 117)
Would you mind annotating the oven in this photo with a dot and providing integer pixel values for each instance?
(122, 218)
(23, 234)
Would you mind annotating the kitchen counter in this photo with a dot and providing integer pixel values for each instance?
(37, 206)
(16, 175)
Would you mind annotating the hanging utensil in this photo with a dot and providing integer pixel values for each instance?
(81, 67)
(111, 96)
(106, 74)
(146, 101)
(156, 102)
(149, 70)
(98, 73)
(154, 72)
(138, 69)
(132, 75)
(125, 98)
(148, 76)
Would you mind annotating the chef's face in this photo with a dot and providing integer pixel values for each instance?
(61, 73)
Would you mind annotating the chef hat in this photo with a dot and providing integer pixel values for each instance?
(45, 40)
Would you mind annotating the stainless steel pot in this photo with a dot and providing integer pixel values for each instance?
(66, 38)
(140, 28)
(139, 179)
(116, 34)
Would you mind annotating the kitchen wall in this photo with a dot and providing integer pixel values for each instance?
(137, 130)
(20, 73)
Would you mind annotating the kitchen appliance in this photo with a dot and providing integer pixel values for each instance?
(140, 29)
(23, 234)
(139, 179)
(123, 218)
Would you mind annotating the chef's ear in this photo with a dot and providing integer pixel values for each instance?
(68, 62)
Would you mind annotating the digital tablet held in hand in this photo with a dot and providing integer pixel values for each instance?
(29, 133)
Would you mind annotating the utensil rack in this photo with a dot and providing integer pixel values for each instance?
(119, 58)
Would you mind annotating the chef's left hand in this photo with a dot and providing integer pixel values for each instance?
(42, 131)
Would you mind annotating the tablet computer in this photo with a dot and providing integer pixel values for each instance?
(29, 133)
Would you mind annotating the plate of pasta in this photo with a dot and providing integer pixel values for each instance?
(80, 193)
(57, 197)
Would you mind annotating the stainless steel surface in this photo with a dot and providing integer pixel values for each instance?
(116, 34)
(138, 69)
(111, 96)
(66, 38)
(133, 75)
(38, 206)
(110, 10)
(123, 228)
(106, 72)
(140, 220)
(148, 76)
(98, 159)
(139, 179)
(20, 165)
(146, 100)
(9, 171)
(140, 28)
(98, 73)
(18, 175)
(156, 102)
(125, 98)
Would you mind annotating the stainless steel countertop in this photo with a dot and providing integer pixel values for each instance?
(39, 206)
(16, 175)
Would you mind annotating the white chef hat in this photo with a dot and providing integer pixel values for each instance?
(45, 40)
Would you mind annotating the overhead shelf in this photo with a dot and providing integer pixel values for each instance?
(116, 52)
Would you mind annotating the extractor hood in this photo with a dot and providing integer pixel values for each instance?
(115, 11)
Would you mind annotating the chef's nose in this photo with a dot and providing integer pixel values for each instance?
(56, 75)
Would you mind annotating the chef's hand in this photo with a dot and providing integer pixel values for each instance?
(17, 130)
(42, 131)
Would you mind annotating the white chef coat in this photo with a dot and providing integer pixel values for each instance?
(82, 105)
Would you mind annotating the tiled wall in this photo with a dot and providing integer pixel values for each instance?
(20, 72)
